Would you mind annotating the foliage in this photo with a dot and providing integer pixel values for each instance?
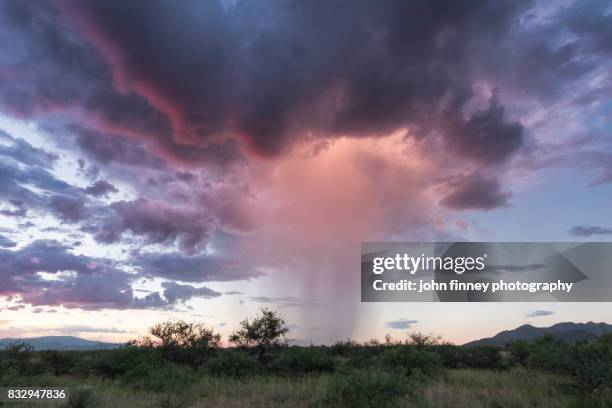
(405, 359)
(267, 330)
(234, 363)
(160, 376)
(184, 357)
(520, 351)
(589, 363)
(298, 361)
(183, 342)
(114, 363)
(365, 389)
(423, 340)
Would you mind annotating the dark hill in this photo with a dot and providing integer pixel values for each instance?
(61, 343)
(568, 332)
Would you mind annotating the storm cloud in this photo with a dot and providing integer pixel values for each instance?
(476, 192)
(221, 140)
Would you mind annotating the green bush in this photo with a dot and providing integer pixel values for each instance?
(549, 353)
(114, 363)
(343, 348)
(363, 389)
(591, 366)
(404, 359)
(298, 361)
(520, 352)
(159, 376)
(234, 363)
(60, 362)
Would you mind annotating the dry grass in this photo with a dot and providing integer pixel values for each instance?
(461, 388)
(484, 388)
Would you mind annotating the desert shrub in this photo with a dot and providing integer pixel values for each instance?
(60, 362)
(21, 358)
(361, 357)
(365, 389)
(82, 397)
(301, 360)
(419, 339)
(520, 352)
(114, 363)
(591, 366)
(343, 347)
(589, 363)
(159, 376)
(404, 359)
(234, 363)
(549, 353)
(481, 357)
(467, 357)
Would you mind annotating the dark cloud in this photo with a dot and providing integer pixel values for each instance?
(591, 22)
(588, 231)
(105, 148)
(92, 283)
(401, 324)
(540, 313)
(198, 268)
(80, 281)
(40, 256)
(262, 73)
(334, 69)
(486, 137)
(187, 81)
(176, 292)
(476, 192)
(101, 188)
(6, 242)
(158, 223)
(67, 208)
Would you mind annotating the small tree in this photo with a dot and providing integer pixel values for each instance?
(266, 330)
(181, 341)
(184, 335)
(423, 340)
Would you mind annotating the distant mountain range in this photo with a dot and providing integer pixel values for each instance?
(568, 332)
(61, 343)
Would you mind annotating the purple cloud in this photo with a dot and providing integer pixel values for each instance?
(67, 208)
(476, 192)
(158, 223)
(101, 188)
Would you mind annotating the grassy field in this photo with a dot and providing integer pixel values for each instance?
(184, 365)
(450, 388)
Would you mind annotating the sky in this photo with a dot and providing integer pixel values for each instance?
(200, 160)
